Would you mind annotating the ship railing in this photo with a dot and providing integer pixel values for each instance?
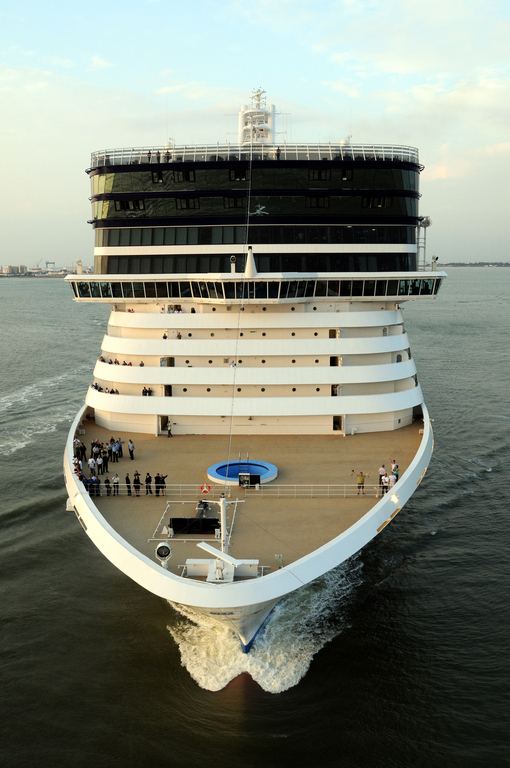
(211, 491)
(179, 490)
(233, 152)
(312, 491)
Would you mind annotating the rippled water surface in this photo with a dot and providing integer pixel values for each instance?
(400, 657)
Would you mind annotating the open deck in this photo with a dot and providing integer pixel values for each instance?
(315, 474)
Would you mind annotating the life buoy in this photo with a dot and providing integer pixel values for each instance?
(205, 488)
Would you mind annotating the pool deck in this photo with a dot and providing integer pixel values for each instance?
(264, 526)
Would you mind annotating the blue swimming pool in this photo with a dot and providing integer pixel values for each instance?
(233, 469)
(227, 473)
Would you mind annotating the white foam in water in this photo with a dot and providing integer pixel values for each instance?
(35, 411)
(36, 390)
(20, 436)
(298, 628)
(488, 467)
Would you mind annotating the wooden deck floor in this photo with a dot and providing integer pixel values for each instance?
(264, 526)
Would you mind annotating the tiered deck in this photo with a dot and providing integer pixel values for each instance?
(264, 525)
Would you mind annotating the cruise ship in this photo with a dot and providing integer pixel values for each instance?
(255, 377)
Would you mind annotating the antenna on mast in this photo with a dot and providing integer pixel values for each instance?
(257, 121)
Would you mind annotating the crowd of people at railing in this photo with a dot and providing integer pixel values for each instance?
(386, 479)
(146, 391)
(106, 390)
(172, 309)
(98, 483)
(116, 362)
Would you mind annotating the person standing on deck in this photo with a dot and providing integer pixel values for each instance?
(131, 448)
(361, 477)
(128, 484)
(105, 459)
(93, 484)
(115, 482)
(148, 486)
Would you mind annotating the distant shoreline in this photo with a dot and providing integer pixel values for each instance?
(36, 277)
(477, 264)
(446, 266)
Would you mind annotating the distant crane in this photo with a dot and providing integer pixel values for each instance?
(50, 264)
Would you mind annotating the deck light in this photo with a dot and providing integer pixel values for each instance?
(394, 498)
(163, 552)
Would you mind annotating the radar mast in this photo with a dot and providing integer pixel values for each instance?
(257, 121)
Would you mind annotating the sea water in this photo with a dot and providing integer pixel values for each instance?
(399, 657)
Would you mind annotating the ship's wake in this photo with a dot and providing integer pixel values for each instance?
(298, 628)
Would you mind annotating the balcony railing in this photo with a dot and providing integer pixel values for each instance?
(225, 152)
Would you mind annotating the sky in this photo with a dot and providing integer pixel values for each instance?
(77, 77)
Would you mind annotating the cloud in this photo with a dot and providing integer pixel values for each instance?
(401, 37)
(338, 58)
(8, 76)
(344, 87)
(97, 63)
(58, 62)
(189, 90)
(36, 86)
(435, 171)
(468, 164)
(478, 104)
(19, 80)
(498, 149)
(451, 164)
(287, 17)
(201, 91)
